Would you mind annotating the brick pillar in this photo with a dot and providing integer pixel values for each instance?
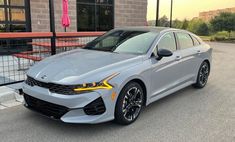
(130, 13)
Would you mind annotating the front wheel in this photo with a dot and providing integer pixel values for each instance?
(129, 104)
(203, 75)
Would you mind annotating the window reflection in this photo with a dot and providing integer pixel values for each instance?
(95, 15)
(17, 28)
(96, 1)
(105, 16)
(2, 14)
(17, 2)
(86, 18)
(86, 1)
(105, 1)
(17, 14)
(1, 2)
(13, 16)
(2, 28)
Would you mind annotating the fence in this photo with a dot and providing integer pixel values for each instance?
(19, 51)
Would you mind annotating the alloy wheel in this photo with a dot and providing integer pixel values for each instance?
(132, 103)
(203, 74)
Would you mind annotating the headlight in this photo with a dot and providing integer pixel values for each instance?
(104, 84)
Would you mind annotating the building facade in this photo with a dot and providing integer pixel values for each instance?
(85, 15)
(208, 15)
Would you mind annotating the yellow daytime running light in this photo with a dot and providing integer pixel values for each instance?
(95, 86)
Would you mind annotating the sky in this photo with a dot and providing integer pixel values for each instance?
(186, 8)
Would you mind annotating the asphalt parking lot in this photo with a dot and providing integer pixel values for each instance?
(190, 115)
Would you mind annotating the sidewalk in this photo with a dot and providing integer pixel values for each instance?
(9, 96)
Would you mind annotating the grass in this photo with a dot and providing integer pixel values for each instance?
(220, 37)
(206, 38)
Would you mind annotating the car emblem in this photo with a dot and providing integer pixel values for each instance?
(44, 77)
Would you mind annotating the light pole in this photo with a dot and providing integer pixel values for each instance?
(52, 27)
(157, 13)
(171, 13)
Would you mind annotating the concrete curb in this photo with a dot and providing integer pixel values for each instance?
(9, 96)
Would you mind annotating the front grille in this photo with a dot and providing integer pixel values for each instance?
(54, 88)
(96, 107)
(49, 109)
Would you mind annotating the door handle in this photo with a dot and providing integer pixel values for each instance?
(198, 52)
(178, 58)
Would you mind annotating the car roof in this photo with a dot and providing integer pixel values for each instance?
(147, 28)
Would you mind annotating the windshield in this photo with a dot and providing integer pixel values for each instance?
(120, 41)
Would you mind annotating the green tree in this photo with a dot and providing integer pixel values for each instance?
(177, 24)
(185, 24)
(224, 22)
(203, 29)
(164, 22)
(198, 27)
(194, 24)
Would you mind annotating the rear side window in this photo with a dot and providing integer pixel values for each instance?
(185, 41)
(195, 41)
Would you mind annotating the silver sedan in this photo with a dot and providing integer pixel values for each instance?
(117, 74)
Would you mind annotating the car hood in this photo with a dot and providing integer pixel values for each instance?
(80, 65)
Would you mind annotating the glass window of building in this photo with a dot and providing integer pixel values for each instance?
(14, 16)
(95, 15)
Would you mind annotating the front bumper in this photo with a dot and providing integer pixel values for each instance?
(71, 108)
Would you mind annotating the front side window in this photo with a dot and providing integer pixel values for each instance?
(95, 15)
(119, 41)
(167, 42)
(185, 41)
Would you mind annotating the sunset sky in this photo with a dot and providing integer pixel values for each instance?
(186, 8)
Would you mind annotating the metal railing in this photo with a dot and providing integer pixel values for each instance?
(19, 51)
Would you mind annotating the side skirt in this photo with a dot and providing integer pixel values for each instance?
(166, 93)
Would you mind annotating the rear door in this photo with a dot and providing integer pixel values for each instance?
(188, 53)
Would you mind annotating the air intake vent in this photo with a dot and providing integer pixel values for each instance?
(45, 108)
(96, 107)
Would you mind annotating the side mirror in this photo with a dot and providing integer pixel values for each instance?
(163, 53)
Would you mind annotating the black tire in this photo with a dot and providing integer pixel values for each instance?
(203, 75)
(129, 104)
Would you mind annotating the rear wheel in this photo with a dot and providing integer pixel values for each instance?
(203, 75)
(129, 104)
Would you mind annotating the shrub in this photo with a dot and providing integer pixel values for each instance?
(221, 36)
(232, 38)
(232, 34)
(222, 33)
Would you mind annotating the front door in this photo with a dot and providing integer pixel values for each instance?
(165, 72)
